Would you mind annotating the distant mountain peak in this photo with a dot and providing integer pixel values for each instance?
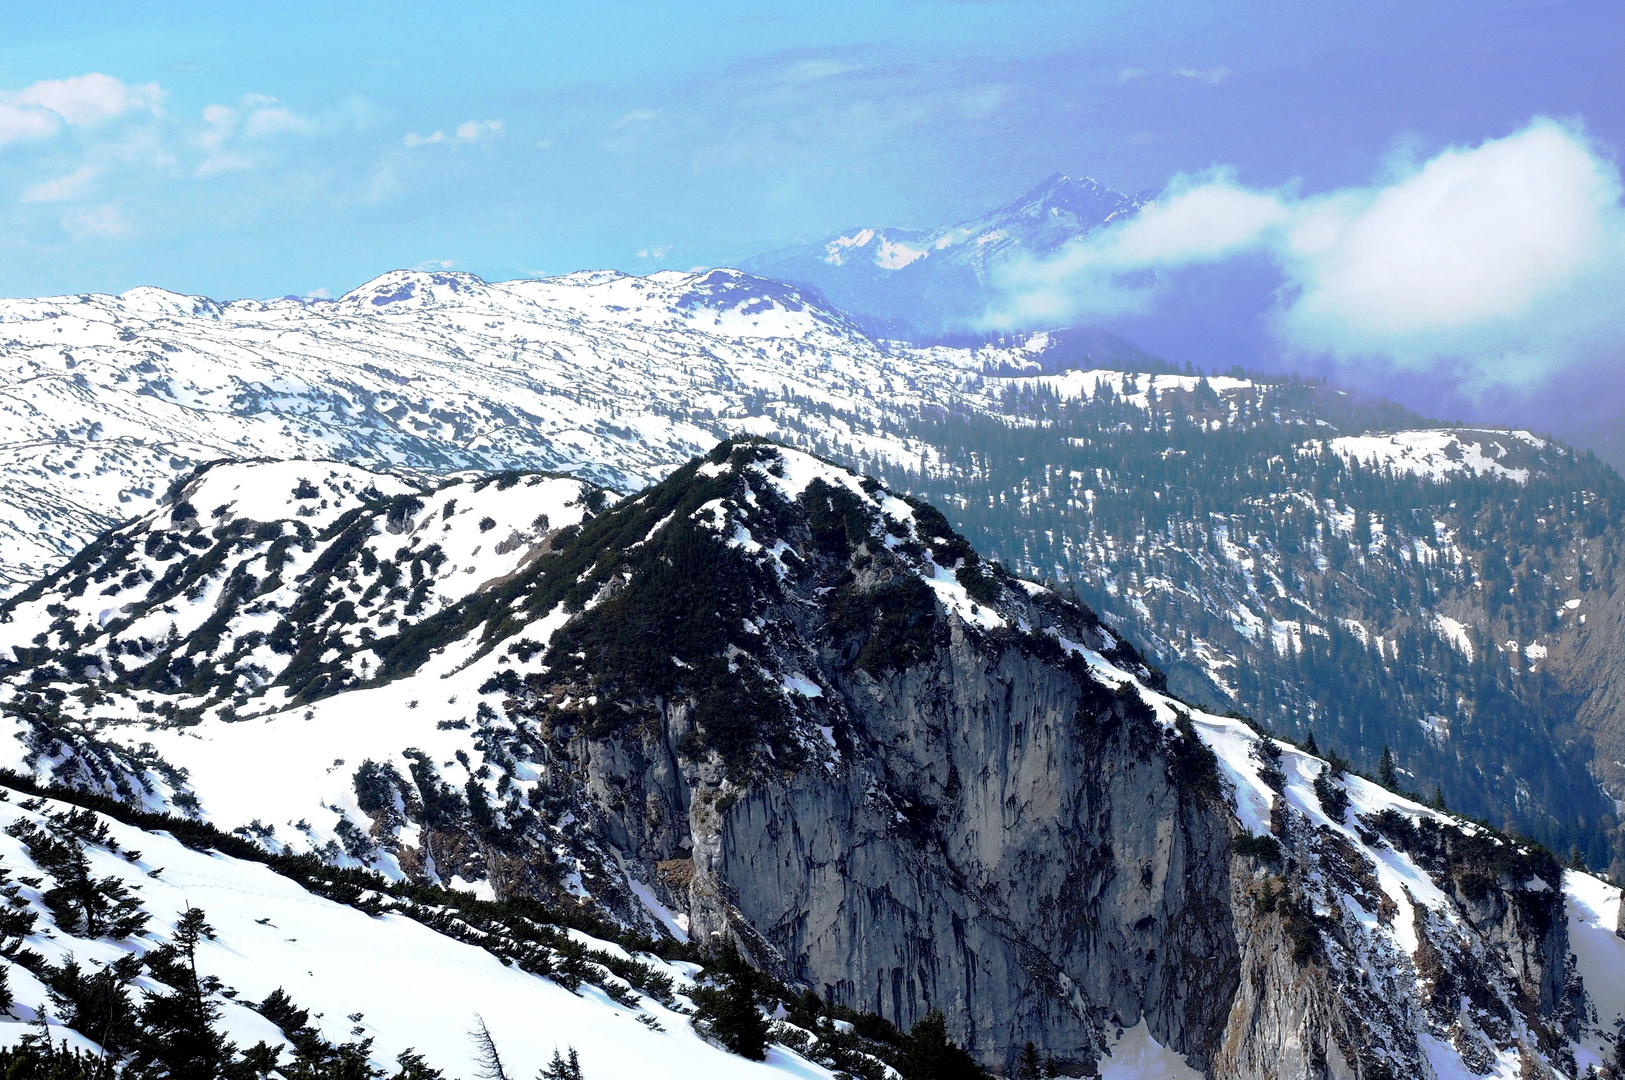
(935, 278)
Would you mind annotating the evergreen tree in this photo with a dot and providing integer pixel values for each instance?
(179, 1038)
(1387, 774)
(735, 1020)
(1437, 802)
(485, 1052)
(562, 1068)
(413, 1067)
(1309, 744)
(931, 1055)
(79, 903)
(96, 1005)
(1028, 1067)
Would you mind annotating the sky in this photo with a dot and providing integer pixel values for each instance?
(237, 150)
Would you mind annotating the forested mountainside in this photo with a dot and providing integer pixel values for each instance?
(767, 704)
(1447, 594)
(1039, 446)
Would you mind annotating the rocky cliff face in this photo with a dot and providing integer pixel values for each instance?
(951, 812)
(771, 703)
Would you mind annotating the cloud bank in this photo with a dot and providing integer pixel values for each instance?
(1502, 262)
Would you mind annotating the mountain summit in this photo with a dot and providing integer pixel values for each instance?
(933, 279)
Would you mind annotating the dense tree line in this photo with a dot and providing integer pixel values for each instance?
(1173, 512)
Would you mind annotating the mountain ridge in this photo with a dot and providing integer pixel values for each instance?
(620, 380)
(752, 701)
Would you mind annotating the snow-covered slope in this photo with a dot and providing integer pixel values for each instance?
(385, 976)
(657, 709)
(1435, 455)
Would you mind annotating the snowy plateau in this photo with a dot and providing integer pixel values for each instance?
(106, 400)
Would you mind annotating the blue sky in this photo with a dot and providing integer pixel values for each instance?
(241, 150)
(261, 150)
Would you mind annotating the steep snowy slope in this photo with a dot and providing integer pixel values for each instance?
(383, 976)
(773, 703)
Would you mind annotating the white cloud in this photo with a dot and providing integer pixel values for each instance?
(435, 264)
(813, 70)
(89, 99)
(471, 130)
(467, 131)
(654, 252)
(17, 124)
(230, 132)
(39, 111)
(276, 119)
(1504, 259)
(74, 185)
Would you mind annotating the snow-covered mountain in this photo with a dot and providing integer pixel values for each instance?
(768, 702)
(105, 400)
(940, 278)
(1047, 449)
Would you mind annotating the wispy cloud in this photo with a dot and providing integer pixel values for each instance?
(473, 130)
(1503, 259)
(74, 185)
(636, 116)
(102, 222)
(234, 136)
(818, 68)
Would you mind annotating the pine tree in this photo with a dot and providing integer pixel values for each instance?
(931, 1055)
(1438, 798)
(1309, 744)
(485, 1052)
(96, 1004)
(732, 1013)
(1387, 774)
(413, 1067)
(80, 903)
(1028, 1067)
(562, 1068)
(179, 1037)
